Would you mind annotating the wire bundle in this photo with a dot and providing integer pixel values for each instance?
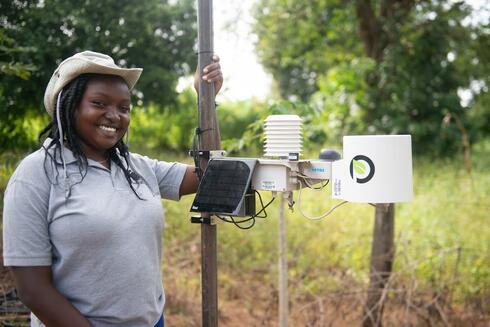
(239, 223)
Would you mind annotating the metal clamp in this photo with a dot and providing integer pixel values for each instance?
(207, 154)
(203, 220)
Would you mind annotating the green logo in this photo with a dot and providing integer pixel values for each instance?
(361, 169)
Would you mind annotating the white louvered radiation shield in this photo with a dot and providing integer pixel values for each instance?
(282, 135)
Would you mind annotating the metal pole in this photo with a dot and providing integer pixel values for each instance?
(210, 140)
(283, 266)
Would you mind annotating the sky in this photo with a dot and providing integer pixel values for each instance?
(234, 43)
(244, 76)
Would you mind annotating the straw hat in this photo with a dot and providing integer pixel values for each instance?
(82, 63)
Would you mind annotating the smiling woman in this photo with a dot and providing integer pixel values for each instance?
(83, 218)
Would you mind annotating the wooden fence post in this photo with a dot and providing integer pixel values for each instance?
(382, 255)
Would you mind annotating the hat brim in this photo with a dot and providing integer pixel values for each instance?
(73, 67)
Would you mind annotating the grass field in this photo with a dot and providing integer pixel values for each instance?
(442, 255)
(442, 266)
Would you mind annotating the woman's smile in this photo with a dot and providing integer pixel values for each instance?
(108, 128)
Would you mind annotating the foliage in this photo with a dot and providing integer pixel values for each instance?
(478, 68)
(314, 133)
(156, 129)
(8, 64)
(401, 73)
(479, 116)
(342, 97)
(172, 127)
(415, 86)
(241, 126)
(12, 67)
(299, 40)
(156, 35)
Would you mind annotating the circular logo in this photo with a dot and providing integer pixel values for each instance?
(361, 169)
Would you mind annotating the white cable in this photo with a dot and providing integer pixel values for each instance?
(62, 146)
(321, 216)
(305, 179)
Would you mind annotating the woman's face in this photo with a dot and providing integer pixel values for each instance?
(103, 116)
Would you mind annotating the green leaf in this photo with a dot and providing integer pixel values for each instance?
(359, 167)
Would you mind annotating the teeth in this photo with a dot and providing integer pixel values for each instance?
(107, 128)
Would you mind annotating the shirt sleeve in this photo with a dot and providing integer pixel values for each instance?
(169, 177)
(26, 239)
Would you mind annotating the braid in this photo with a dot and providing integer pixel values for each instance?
(70, 100)
(123, 152)
(71, 97)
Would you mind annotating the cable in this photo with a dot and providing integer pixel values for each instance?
(318, 217)
(237, 223)
(305, 179)
(230, 219)
(263, 207)
(195, 153)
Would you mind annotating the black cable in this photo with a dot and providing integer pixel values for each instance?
(237, 224)
(195, 153)
(263, 207)
(230, 219)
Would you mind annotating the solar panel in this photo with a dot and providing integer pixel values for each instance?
(223, 186)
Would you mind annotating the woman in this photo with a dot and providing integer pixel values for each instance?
(83, 217)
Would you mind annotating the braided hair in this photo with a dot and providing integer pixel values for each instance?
(71, 96)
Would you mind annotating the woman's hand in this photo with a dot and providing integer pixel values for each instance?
(210, 74)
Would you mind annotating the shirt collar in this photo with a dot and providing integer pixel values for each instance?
(68, 155)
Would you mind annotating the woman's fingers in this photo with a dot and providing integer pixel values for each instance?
(213, 76)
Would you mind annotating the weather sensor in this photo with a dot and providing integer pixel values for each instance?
(373, 169)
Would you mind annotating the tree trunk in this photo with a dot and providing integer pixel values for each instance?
(369, 30)
(373, 25)
(382, 255)
(374, 30)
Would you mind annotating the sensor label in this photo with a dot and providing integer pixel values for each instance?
(337, 188)
(268, 185)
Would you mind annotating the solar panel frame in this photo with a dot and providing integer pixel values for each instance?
(223, 186)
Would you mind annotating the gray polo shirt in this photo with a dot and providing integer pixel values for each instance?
(103, 243)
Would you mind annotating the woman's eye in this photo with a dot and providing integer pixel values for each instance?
(98, 104)
(125, 109)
